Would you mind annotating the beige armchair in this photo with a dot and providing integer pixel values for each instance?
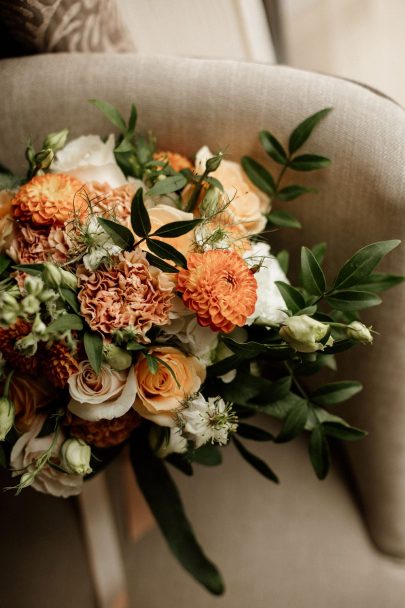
(305, 543)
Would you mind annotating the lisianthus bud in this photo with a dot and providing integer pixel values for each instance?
(56, 141)
(30, 305)
(116, 357)
(38, 327)
(52, 275)
(213, 163)
(358, 331)
(33, 285)
(68, 279)
(304, 334)
(27, 345)
(6, 416)
(44, 158)
(75, 455)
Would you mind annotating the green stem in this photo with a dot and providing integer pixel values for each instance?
(196, 192)
(294, 379)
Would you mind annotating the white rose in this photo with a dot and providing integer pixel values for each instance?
(270, 303)
(49, 480)
(177, 444)
(90, 159)
(75, 456)
(107, 395)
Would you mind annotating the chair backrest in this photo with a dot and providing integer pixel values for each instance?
(188, 103)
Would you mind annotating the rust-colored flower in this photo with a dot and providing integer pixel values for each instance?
(104, 433)
(219, 287)
(50, 199)
(175, 160)
(8, 338)
(111, 202)
(32, 244)
(59, 364)
(130, 293)
(28, 395)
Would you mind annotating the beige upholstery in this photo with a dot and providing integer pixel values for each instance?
(303, 543)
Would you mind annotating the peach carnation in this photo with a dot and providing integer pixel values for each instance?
(48, 200)
(160, 395)
(8, 337)
(103, 433)
(219, 287)
(115, 202)
(60, 364)
(131, 293)
(175, 160)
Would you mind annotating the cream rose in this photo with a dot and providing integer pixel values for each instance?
(49, 480)
(160, 395)
(247, 203)
(107, 395)
(89, 159)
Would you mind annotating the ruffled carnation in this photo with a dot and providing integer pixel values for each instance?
(131, 293)
(219, 287)
(49, 199)
(104, 433)
(112, 202)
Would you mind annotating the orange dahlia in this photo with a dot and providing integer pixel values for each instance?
(175, 160)
(50, 199)
(104, 433)
(219, 287)
(8, 337)
(60, 364)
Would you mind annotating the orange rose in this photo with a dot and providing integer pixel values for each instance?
(160, 395)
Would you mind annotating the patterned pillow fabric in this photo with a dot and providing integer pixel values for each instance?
(46, 26)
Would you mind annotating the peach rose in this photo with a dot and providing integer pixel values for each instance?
(28, 395)
(163, 214)
(8, 243)
(247, 204)
(160, 395)
(108, 394)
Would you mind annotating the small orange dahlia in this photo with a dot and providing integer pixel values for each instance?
(8, 337)
(219, 287)
(60, 364)
(50, 199)
(104, 433)
(175, 160)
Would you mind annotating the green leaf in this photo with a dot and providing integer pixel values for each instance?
(174, 229)
(214, 182)
(319, 251)
(343, 431)
(312, 275)
(363, 262)
(273, 147)
(169, 369)
(283, 258)
(256, 462)
(155, 261)
(140, 220)
(350, 300)
(291, 296)
(5, 262)
(248, 350)
(120, 235)
(283, 219)
(181, 463)
(289, 193)
(301, 133)
(208, 455)
(134, 346)
(70, 298)
(166, 251)
(248, 431)
(124, 146)
(64, 323)
(339, 346)
(110, 112)
(319, 452)
(259, 175)
(168, 185)
(132, 121)
(164, 501)
(309, 162)
(380, 281)
(335, 392)
(93, 345)
(33, 269)
(294, 422)
(226, 365)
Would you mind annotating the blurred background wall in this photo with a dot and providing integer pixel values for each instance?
(358, 39)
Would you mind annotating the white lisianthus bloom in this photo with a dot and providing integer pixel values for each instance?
(304, 334)
(109, 394)
(203, 420)
(177, 444)
(75, 456)
(270, 303)
(102, 246)
(90, 159)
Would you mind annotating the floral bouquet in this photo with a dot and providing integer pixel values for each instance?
(140, 304)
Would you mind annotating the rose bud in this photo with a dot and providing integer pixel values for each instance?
(6, 416)
(56, 141)
(304, 334)
(359, 332)
(213, 163)
(75, 455)
(52, 275)
(116, 357)
(69, 279)
(44, 158)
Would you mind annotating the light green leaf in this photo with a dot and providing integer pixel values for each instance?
(64, 323)
(110, 112)
(283, 258)
(283, 219)
(93, 345)
(168, 185)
